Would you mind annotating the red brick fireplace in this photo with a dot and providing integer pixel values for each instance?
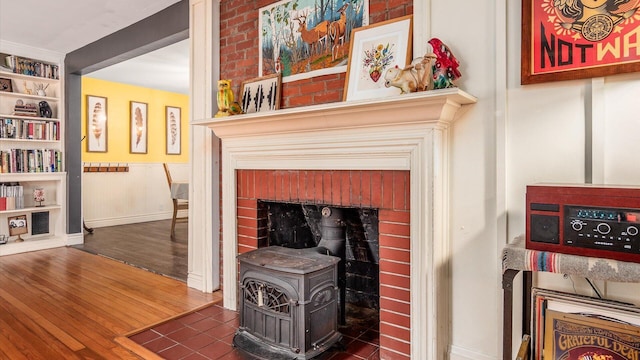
(387, 191)
(388, 154)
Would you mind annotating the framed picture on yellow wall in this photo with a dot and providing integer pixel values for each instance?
(173, 122)
(96, 124)
(138, 127)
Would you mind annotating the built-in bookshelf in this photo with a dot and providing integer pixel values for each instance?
(32, 176)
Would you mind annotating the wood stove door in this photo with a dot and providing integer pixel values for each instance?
(266, 311)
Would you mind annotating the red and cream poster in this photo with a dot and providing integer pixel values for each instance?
(571, 39)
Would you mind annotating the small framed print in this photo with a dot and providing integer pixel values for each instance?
(261, 94)
(138, 127)
(173, 123)
(5, 85)
(373, 50)
(96, 124)
(18, 226)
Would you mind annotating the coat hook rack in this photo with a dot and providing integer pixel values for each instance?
(106, 168)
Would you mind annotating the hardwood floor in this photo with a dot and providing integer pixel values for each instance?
(69, 304)
(145, 245)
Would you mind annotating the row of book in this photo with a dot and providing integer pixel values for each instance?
(25, 66)
(11, 196)
(29, 129)
(30, 161)
(26, 110)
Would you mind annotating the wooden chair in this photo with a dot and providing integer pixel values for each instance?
(178, 204)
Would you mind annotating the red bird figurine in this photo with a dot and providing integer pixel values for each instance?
(445, 67)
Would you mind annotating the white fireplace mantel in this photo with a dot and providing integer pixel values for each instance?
(438, 106)
(406, 132)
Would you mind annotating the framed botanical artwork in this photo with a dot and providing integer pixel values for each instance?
(17, 226)
(578, 39)
(300, 39)
(5, 85)
(260, 94)
(173, 121)
(373, 50)
(138, 128)
(96, 123)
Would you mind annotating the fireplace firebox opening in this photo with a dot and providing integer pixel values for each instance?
(299, 226)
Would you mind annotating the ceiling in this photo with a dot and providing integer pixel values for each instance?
(66, 25)
(172, 62)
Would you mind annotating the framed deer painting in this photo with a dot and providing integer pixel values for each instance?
(305, 38)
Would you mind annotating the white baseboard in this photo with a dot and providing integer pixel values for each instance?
(458, 353)
(98, 223)
(195, 281)
(75, 239)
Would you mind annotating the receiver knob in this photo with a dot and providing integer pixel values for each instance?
(603, 228)
(576, 225)
(632, 231)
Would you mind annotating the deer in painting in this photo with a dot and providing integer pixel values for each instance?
(338, 30)
(313, 37)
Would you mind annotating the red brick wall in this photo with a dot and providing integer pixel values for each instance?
(387, 191)
(239, 50)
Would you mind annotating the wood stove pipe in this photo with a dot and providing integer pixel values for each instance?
(333, 241)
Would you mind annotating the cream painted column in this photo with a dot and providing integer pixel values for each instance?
(437, 345)
(421, 26)
(204, 208)
(595, 125)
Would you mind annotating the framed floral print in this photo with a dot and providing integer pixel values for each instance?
(373, 50)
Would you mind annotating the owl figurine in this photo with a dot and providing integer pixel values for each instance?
(445, 66)
(225, 98)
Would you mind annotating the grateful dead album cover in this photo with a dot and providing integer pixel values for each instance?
(580, 337)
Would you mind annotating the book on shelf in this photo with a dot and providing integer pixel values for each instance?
(30, 161)
(26, 66)
(11, 196)
(25, 110)
(29, 129)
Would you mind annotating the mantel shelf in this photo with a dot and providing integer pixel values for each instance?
(435, 106)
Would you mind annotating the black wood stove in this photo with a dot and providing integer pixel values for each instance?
(290, 298)
(288, 303)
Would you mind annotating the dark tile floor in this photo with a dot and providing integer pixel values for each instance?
(208, 334)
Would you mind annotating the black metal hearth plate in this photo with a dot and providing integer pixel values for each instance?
(258, 351)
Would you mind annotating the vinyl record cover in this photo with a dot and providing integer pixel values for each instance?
(580, 337)
(543, 299)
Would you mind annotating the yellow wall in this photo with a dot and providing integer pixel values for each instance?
(118, 97)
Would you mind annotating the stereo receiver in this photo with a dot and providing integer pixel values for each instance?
(587, 220)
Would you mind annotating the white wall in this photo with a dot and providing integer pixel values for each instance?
(139, 195)
(514, 136)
